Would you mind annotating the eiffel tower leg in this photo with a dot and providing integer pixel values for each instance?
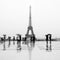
(28, 31)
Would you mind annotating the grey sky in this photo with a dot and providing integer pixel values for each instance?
(14, 17)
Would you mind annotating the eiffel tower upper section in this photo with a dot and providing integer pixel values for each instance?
(30, 28)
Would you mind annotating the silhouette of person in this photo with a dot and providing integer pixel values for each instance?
(4, 39)
(46, 42)
(13, 40)
(48, 38)
(9, 38)
(50, 41)
(33, 40)
(25, 40)
(19, 41)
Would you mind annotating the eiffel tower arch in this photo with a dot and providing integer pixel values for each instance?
(30, 28)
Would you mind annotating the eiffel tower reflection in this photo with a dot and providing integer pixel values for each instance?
(29, 34)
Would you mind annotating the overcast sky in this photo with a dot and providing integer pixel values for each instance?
(14, 18)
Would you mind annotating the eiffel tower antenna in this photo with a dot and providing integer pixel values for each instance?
(30, 16)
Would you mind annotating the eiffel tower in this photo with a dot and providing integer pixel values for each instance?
(30, 28)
